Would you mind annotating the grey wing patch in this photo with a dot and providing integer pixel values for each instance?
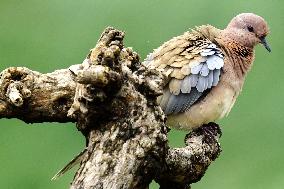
(207, 74)
(196, 69)
(215, 62)
(181, 102)
(202, 83)
(186, 85)
(210, 79)
(203, 77)
(204, 70)
(193, 80)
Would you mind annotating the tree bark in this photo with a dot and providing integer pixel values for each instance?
(112, 99)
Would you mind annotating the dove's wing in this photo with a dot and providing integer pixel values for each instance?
(193, 65)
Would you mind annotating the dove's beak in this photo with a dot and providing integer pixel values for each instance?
(265, 44)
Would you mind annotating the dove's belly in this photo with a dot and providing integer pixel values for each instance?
(217, 103)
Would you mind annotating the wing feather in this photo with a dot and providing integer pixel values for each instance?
(186, 85)
(181, 102)
(193, 80)
(204, 70)
(210, 79)
(175, 86)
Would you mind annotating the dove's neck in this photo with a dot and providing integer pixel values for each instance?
(237, 55)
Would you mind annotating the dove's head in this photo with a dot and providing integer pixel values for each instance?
(248, 29)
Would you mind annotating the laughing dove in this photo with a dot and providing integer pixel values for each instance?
(206, 69)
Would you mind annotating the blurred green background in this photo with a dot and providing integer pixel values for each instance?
(53, 34)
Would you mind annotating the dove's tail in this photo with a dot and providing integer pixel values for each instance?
(77, 159)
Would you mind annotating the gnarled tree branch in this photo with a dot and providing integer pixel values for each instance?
(112, 98)
(35, 97)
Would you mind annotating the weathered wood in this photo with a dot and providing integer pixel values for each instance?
(187, 165)
(34, 97)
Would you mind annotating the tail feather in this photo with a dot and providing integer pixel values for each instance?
(76, 160)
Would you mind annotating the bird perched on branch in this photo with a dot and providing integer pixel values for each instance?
(206, 69)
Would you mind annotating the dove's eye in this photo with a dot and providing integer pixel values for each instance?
(250, 29)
